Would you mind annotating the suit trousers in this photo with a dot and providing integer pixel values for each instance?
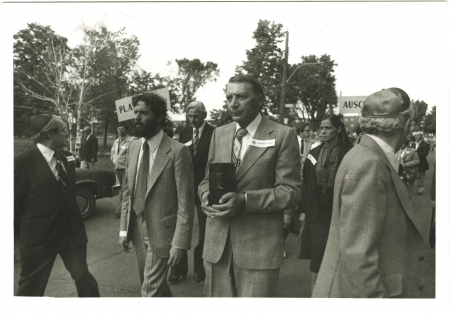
(36, 272)
(420, 182)
(119, 174)
(226, 279)
(152, 268)
(181, 269)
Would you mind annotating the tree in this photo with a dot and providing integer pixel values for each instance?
(192, 74)
(430, 121)
(220, 116)
(420, 109)
(265, 62)
(41, 61)
(315, 87)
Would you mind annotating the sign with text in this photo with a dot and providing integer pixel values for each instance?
(124, 106)
(351, 104)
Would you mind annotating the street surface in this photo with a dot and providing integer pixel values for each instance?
(117, 275)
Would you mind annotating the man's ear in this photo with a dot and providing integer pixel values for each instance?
(407, 127)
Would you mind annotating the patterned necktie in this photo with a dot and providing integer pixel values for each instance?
(141, 183)
(303, 147)
(62, 175)
(195, 139)
(237, 146)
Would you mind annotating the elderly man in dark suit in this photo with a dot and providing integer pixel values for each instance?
(374, 247)
(158, 198)
(198, 138)
(422, 149)
(243, 241)
(45, 204)
(90, 148)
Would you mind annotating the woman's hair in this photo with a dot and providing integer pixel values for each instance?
(337, 122)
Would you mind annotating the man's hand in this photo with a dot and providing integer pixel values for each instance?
(124, 244)
(175, 256)
(231, 204)
(302, 219)
(287, 221)
(206, 209)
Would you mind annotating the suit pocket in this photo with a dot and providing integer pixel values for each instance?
(393, 285)
(169, 220)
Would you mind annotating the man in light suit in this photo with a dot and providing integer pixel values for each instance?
(243, 242)
(198, 138)
(158, 197)
(374, 247)
(422, 149)
(46, 208)
(90, 148)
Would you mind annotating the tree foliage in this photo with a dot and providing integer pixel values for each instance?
(192, 75)
(420, 109)
(430, 121)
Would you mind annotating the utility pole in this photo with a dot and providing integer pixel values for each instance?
(283, 82)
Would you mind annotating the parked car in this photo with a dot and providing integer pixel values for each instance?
(93, 185)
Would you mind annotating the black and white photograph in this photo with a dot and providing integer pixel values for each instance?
(272, 151)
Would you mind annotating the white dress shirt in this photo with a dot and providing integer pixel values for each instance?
(388, 150)
(49, 158)
(251, 130)
(153, 144)
(200, 131)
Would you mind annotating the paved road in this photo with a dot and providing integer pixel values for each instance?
(117, 275)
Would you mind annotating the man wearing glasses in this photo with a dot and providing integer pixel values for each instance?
(119, 152)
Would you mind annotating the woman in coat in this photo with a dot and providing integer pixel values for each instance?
(316, 204)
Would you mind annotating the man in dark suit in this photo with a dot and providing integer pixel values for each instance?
(197, 138)
(90, 148)
(243, 239)
(422, 149)
(45, 204)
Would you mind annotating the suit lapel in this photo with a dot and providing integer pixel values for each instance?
(160, 162)
(399, 185)
(42, 168)
(253, 153)
(133, 159)
(202, 142)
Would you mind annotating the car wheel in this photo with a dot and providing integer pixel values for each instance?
(85, 201)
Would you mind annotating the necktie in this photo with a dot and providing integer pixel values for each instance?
(62, 175)
(302, 149)
(195, 139)
(237, 146)
(141, 183)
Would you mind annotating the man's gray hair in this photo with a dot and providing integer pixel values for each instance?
(386, 125)
(196, 105)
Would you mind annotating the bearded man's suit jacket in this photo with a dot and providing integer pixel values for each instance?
(47, 215)
(374, 247)
(270, 176)
(169, 204)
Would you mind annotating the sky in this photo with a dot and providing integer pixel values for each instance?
(376, 45)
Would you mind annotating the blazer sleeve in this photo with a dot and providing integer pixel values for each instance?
(362, 206)
(184, 178)
(415, 161)
(285, 193)
(126, 206)
(20, 188)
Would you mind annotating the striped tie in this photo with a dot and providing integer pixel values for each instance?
(195, 139)
(62, 175)
(237, 146)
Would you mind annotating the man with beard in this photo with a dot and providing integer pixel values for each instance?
(158, 198)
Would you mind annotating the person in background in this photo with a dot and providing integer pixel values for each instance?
(79, 147)
(158, 198)
(319, 173)
(244, 233)
(374, 249)
(119, 152)
(409, 161)
(197, 137)
(90, 148)
(422, 149)
(45, 205)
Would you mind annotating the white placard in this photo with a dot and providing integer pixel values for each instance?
(124, 106)
(351, 104)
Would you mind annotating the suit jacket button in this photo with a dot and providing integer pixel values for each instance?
(421, 258)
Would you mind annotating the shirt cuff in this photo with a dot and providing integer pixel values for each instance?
(122, 234)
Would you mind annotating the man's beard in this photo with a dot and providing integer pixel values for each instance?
(142, 130)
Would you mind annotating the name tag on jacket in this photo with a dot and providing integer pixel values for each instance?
(263, 143)
(188, 143)
(313, 160)
(70, 158)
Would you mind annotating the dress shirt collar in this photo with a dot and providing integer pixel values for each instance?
(153, 142)
(418, 143)
(200, 129)
(125, 138)
(46, 152)
(387, 149)
(252, 127)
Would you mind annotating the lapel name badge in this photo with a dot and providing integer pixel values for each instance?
(188, 143)
(313, 160)
(263, 143)
(70, 158)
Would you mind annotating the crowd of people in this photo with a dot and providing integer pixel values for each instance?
(350, 202)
